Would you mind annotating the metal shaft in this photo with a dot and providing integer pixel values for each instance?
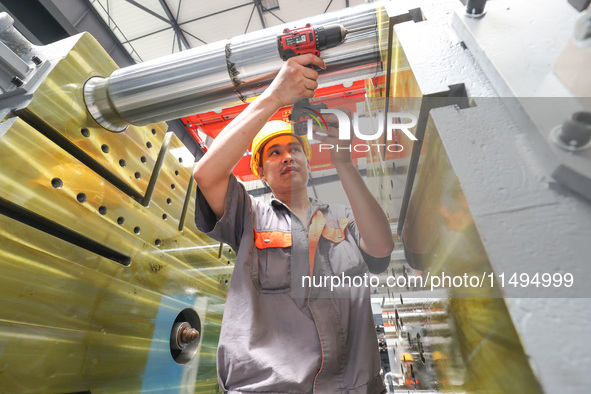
(358, 29)
(226, 73)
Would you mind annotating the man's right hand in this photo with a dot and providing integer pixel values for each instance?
(295, 79)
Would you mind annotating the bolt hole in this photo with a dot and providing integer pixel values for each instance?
(120, 220)
(176, 172)
(149, 145)
(143, 159)
(81, 197)
(122, 163)
(136, 230)
(105, 148)
(102, 210)
(85, 132)
(180, 159)
(173, 186)
(164, 216)
(157, 242)
(137, 175)
(168, 201)
(154, 131)
(57, 183)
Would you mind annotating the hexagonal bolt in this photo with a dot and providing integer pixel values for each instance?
(37, 60)
(17, 82)
(188, 334)
(184, 335)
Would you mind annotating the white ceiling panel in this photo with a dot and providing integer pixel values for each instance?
(294, 10)
(133, 21)
(234, 24)
(148, 36)
(191, 9)
(156, 45)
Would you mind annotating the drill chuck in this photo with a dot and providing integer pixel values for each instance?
(329, 36)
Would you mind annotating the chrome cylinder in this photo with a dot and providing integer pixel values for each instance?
(226, 73)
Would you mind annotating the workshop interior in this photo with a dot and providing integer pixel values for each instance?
(107, 285)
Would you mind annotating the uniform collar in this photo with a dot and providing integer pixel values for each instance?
(314, 204)
(276, 203)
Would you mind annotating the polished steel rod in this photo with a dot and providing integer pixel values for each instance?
(228, 72)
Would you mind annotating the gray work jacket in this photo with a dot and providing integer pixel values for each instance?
(279, 336)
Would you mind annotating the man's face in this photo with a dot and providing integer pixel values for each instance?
(284, 163)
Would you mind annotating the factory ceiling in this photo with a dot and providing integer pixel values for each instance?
(134, 31)
(150, 29)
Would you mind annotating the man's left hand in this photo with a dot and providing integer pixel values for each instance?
(340, 153)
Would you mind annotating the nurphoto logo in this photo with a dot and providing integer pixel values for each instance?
(394, 121)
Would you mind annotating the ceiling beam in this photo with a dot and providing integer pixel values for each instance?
(195, 37)
(130, 40)
(177, 29)
(149, 11)
(271, 12)
(249, 19)
(216, 13)
(260, 10)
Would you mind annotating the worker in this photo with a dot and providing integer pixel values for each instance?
(409, 378)
(278, 335)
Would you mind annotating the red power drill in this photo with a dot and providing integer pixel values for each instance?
(308, 39)
(300, 41)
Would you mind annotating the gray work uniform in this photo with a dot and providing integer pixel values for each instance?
(280, 337)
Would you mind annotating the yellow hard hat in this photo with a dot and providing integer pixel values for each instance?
(407, 357)
(269, 131)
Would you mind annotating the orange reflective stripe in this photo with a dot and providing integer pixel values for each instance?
(343, 223)
(336, 235)
(272, 239)
(314, 232)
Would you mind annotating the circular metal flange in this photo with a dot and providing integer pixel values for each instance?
(99, 105)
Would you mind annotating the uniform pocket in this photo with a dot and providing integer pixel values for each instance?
(271, 272)
(343, 257)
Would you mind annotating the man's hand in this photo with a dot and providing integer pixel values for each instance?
(341, 151)
(375, 236)
(295, 79)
